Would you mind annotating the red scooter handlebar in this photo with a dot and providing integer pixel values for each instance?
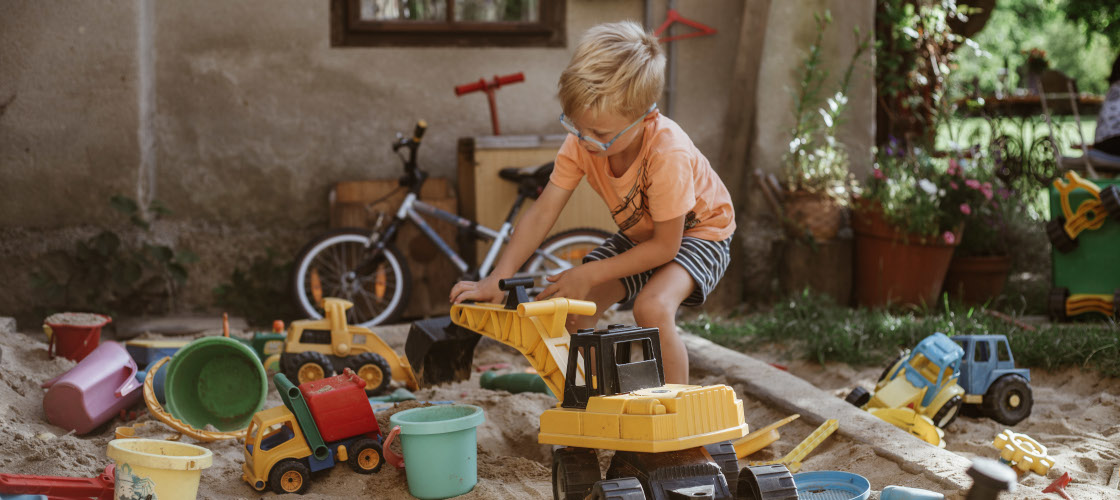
(482, 84)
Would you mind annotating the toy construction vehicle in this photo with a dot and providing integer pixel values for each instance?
(1091, 213)
(670, 441)
(990, 380)
(321, 423)
(316, 349)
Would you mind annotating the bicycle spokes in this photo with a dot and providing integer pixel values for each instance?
(316, 287)
(348, 271)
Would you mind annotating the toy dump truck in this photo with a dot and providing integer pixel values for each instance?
(321, 423)
(316, 349)
(990, 380)
(670, 441)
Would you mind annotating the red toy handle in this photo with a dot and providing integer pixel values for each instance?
(391, 457)
(100, 487)
(482, 84)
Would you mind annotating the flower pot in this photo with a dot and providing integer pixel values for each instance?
(819, 214)
(895, 268)
(977, 280)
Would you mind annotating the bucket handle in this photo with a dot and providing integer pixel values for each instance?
(391, 457)
(130, 383)
(50, 340)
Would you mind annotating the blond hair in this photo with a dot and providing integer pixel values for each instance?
(617, 67)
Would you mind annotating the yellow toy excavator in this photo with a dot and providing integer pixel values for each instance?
(669, 439)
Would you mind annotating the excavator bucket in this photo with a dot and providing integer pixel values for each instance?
(440, 351)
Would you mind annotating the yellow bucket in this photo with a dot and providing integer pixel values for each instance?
(153, 468)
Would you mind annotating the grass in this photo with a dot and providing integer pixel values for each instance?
(818, 329)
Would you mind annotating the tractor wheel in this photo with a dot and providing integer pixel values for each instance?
(308, 367)
(574, 472)
(858, 397)
(1056, 231)
(948, 412)
(365, 456)
(627, 488)
(374, 370)
(723, 454)
(1057, 304)
(289, 476)
(1009, 400)
(1110, 199)
(766, 482)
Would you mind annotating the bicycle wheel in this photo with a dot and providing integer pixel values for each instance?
(339, 264)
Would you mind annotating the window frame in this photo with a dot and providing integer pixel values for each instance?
(349, 30)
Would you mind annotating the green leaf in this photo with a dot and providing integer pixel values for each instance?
(124, 204)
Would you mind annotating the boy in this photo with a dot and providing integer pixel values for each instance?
(674, 214)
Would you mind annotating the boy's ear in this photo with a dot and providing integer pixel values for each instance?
(652, 115)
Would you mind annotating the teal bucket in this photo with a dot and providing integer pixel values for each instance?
(215, 381)
(440, 449)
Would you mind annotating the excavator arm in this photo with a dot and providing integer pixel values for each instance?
(536, 329)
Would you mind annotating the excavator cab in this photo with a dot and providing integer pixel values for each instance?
(609, 365)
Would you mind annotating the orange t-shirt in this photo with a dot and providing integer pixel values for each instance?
(670, 178)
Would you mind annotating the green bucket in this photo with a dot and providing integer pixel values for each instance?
(215, 381)
(440, 449)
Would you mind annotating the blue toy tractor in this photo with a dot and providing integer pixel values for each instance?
(991, 381)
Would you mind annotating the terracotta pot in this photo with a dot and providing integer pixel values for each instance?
(895, 268)
(818, 213)
(977, 280)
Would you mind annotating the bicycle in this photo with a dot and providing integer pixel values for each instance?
(365, 267)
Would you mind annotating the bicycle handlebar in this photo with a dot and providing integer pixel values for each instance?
(418, 132)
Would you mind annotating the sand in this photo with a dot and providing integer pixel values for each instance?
(1077, 415)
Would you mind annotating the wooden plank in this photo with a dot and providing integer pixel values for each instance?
(487, 197)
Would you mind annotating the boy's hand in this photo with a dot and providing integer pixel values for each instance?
(485, 290)
(574, 283)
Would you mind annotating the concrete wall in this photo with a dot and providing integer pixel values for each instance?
(239, 116)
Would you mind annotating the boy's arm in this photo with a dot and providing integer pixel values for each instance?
(530, 231)
(575, 283)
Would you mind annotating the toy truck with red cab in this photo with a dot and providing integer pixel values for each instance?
(321, 423)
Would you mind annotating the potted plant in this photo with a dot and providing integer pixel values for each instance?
(908, 219)
(817, 178)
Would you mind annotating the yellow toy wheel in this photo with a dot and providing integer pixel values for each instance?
(374, 370)
(365, 456)
(289, 476)
(308, 367)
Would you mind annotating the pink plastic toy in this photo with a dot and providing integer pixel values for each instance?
(94, 390)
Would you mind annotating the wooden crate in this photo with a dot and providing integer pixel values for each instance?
(433, 274)
(486, 198)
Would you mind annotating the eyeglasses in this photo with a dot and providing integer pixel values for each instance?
(571, 128)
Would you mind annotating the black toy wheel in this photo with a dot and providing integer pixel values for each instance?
(626, 488)
(365, 456)
(374, 370)
(858, 397)
(948, 412)
(1056, 304)
(1009, 400)
(289, 476)
(766, 482)
(1059, 238)
(891, 366)
(1110, 199)
(574, 472)
(308, 367)
(723, 454)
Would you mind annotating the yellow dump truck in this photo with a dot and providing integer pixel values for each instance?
(669, 439)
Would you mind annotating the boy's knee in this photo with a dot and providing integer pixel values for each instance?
(652, 307)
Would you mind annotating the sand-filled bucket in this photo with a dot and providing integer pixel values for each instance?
(215, 381)
(440, 449)
(153, 468)
(73, 335)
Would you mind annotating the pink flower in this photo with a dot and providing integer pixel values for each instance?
(986, 188)
(965, 209)
(949, 237)
(954, 167)
(953, 185)
(972, 183)
(878, 174)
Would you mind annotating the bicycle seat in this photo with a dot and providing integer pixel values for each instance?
(531, 179)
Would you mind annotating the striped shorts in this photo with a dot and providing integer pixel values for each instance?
(705, 261)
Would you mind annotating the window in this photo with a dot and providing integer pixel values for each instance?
(1002, 352)
(464, 23)
(981, 355)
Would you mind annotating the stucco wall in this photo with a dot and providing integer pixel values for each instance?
(239, 116)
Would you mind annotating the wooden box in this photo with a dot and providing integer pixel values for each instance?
(358, 203)
(487, 198)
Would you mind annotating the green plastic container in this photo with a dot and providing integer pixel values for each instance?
(1093, 266)
(440, 449)
(215, 381)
